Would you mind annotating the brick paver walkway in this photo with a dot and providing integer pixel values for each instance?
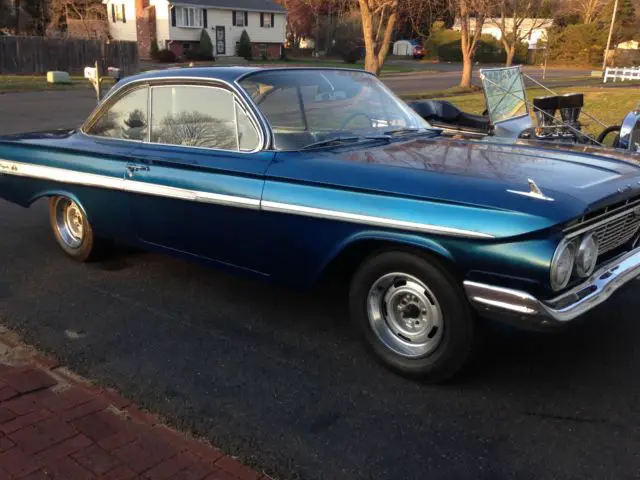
(54, 426)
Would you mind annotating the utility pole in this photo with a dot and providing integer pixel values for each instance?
(327, 40)
(613, 21)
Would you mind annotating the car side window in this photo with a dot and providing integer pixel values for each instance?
(198, 116)
(126, 119)
(247, 134)
(282, 108)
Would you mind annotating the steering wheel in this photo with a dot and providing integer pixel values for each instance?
(355, 115)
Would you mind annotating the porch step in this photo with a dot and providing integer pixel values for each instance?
(231, 60)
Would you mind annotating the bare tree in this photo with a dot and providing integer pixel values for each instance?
(471, 15)
(378, 21)
(517, 22)
(86, 11)
(195, 129)
(419, 16)
(587, 10)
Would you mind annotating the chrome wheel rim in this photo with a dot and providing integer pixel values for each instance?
(405, 315)
(69, 222)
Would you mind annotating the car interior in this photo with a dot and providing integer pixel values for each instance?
(443, 114)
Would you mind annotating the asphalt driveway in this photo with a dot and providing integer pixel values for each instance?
(278, 377)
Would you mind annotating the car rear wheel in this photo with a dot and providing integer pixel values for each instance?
(412, 315)
(72, 229)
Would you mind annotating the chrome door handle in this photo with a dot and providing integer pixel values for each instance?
(131, 169)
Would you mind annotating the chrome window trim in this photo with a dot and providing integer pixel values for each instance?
(264, 132)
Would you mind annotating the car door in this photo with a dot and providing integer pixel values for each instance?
(197, 184)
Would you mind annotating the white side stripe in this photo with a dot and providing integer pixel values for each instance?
(103, 181)
(369, 220)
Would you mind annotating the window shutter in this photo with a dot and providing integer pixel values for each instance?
(262, 19)
(204, 18)
(173, 16)
(272, 19)
(234, 23)
(124, 17)
(113, 13)
(246, 19)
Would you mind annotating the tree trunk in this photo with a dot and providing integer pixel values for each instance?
(467, 69)
(16, 5)
(370, 59)
(374, 60)
(511, 53)
(467, 50)
(371, 63)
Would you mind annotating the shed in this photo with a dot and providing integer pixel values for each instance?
(404, 47)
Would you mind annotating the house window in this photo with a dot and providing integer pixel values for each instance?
(267, 20)
(189, 17)
(118, 13)
(240, 19)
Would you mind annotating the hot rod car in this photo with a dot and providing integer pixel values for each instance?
(507, 114)
(284, 173)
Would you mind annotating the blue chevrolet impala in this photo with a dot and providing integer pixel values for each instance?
(284, 173)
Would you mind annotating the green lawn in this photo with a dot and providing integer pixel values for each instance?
(609, 105)
(27, 83)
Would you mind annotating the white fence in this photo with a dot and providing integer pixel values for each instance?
(626, 73)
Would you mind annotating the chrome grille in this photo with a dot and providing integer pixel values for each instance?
(613, 226)
(617, 232)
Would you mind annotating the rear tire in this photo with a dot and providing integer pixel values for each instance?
(72, 230)
(413, 315)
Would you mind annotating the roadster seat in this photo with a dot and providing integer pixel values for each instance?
(441, 113)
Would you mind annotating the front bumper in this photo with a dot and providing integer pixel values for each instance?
(515, 304)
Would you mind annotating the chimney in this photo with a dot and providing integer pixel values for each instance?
(145, 27)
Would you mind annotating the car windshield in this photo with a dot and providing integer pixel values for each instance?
(320, 108)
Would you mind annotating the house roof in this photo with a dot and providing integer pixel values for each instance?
(527, 23)
(255, 5)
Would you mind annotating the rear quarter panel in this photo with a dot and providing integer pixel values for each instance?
(74, 166)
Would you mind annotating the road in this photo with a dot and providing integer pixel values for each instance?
(443, 76)
(278, 377)
(43, 109)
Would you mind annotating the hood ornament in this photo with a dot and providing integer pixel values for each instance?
(534, 192)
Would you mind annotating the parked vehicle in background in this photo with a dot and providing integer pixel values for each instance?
(409, 48)
(218, 165)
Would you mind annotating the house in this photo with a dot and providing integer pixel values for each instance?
(177, 24)
(535, 29)
(628, 45)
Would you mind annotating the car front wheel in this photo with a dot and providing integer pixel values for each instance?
(412, 314)
(71, 229)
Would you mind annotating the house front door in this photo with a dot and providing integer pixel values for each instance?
(220, 41)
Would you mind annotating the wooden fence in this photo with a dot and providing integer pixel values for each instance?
(626, 73)
(37, 55)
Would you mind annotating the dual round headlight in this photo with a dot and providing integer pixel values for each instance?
(579, 254)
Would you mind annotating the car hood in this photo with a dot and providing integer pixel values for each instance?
(483, 174)
(465, 171)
